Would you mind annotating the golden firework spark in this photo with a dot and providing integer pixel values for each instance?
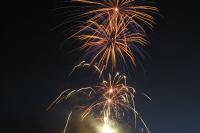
(135, 11)
(110, 43)
(112, 31)
(111, 99)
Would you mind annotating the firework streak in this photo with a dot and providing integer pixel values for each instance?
(113, 28)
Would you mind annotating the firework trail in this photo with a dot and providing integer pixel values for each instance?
(110, 100)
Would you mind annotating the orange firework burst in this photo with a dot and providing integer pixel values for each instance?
(112, 32)
(131, 10)
(111, 99)
(111, 42)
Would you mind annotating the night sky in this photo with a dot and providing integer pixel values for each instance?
(35, 64)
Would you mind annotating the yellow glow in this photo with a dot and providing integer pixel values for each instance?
(107, 129)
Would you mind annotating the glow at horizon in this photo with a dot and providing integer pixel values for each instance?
(107, 129)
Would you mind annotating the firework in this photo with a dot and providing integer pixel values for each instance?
(136, 11)
(110, 100)
(112, 32)
(110, 43)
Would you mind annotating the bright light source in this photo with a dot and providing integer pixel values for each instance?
(109, 100)
(111, 90)
(116, 9)
(106, 129)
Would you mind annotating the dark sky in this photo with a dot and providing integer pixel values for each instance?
(35, 64)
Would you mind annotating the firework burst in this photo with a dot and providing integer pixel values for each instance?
(110, 43)
(132, 10)
(110, 100)
(112, 30)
